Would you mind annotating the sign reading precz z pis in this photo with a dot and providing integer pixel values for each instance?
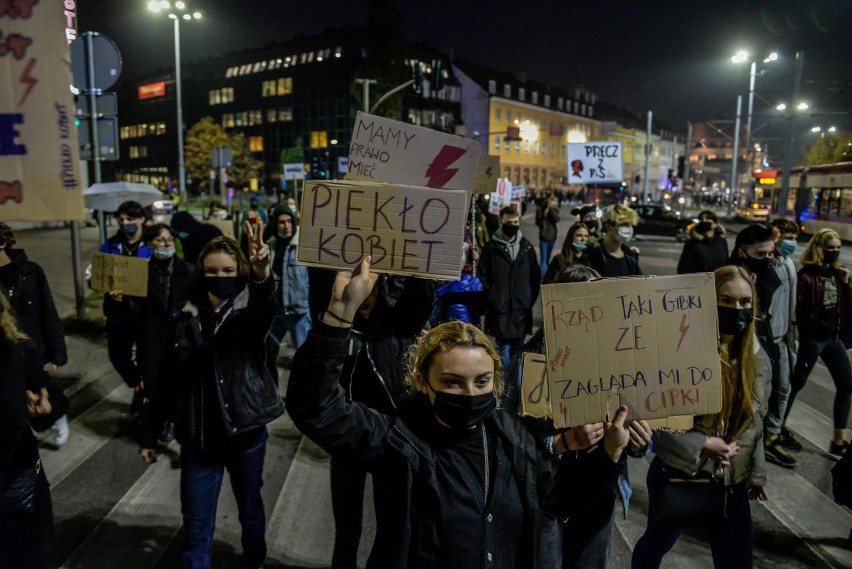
(595, 162)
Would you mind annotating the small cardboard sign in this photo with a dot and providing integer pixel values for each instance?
(487, 174)
(650, 343)
(535, 395)
(385, 150)
(407, 230)
(117, 272)
(594, 162)
(226, 226)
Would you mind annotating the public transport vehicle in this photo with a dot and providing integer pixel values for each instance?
(819, 197)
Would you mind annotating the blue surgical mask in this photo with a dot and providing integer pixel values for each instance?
(787, 247)
(164, 252)
(579, 246)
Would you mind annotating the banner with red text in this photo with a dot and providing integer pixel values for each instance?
(407, 230)
(39, 177)
(385, 150)
(650, 343)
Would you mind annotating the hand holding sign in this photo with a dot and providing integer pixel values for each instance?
(258, 250)
(617, 435)
(350, 290)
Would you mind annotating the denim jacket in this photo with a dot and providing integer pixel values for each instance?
(293, 294)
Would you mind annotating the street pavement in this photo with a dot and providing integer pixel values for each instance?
(112, 511)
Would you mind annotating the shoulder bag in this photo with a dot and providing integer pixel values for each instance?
(685, 500)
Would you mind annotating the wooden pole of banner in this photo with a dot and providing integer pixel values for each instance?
(77, 261)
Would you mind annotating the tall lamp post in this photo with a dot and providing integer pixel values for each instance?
(740, 57)
(177, 13)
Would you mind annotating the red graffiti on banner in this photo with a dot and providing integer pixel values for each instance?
(15, 9)
(11, 191)
(16, 44)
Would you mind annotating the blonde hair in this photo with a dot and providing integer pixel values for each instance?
(617, 213)
(8, 324)
(738, 375)
(444, 338)
(813, 252)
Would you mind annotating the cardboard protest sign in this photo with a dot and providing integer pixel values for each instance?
(407, 230)
(487, 174)
(117, 272)
(595, 162)
(649, 343)
(226, 226)
(39, 176)
(385, 150)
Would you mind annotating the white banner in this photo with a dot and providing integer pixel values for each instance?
(295, 171)
(595, 162)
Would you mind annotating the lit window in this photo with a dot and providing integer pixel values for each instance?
(268, 89)
(227, 94)
(125, 132)
(583, 110)
(547, 100)
(319, 139)
(497, 143)
(560, 102)
(255, 144)
(522, 93)
(304, 58)
(534, 98)
(271, 115)
(285, 85)
(285, 115)
(161, 128)
(230, 72)
(228, 120)
(507, 90)
(576, 107)
(492, 87)
(310, 56)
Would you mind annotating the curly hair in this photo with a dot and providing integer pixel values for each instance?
(8, 324)
(7, 236)
(443, 338)
(617, 214)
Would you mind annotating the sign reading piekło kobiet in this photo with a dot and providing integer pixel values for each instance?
(39, 178)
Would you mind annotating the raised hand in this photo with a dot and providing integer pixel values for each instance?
(350, 290)
(258, 250)
(616, 435)
(584, 436)
(640, 435)
(718, 450)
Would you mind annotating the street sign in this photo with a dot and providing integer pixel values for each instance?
(107, 139)
(294, 171)
(106, 105)
(106, 58)
(221, 157)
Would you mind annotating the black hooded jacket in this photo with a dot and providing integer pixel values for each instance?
(24, 284)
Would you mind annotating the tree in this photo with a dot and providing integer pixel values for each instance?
(202, 138)
(829, 149)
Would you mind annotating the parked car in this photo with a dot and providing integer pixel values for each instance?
(162, 206)
(754, 211)
(661, 220)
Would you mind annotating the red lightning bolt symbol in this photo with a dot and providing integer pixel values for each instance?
(439, 173)
(488, 172)
(684, 328)
(25, 78)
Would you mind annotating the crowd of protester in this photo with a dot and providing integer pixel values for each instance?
(416, 382)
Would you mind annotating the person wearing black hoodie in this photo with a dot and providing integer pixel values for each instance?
(381, 337)
(25, 285)
(706, 249)
(193, 235)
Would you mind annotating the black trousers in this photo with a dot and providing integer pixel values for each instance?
(347, 500)
(833, 354)
(123, 333)
(26, 540)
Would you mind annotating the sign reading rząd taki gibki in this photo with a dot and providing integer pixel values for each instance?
(385, 150)
(649, 343)
(407, 230)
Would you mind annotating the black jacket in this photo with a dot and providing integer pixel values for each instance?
(237, 357)
(399, 452)
(598, 260)
(37, 317)
(21, 371)
(512, 287)
(373, 374)
(160, 306)
(703, 254)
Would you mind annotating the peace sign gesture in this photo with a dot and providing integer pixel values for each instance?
(258, 250)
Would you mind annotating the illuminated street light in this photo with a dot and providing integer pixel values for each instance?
(739, 57)
(771, 57)
(832, 129)
(803, 106)
(180, 6)
(781, 107)
(816, 129)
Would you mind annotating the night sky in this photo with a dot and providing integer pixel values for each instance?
(667, 56)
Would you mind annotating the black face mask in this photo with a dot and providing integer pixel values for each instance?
(129, 229)
(510, 230)
(591, 224)
(224, 287)
(757, 266)
(830, 257)
(703, 227)
(733, 321)
(462, 411)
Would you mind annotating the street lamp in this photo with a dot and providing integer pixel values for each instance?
(178, 13)
(740, 57)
